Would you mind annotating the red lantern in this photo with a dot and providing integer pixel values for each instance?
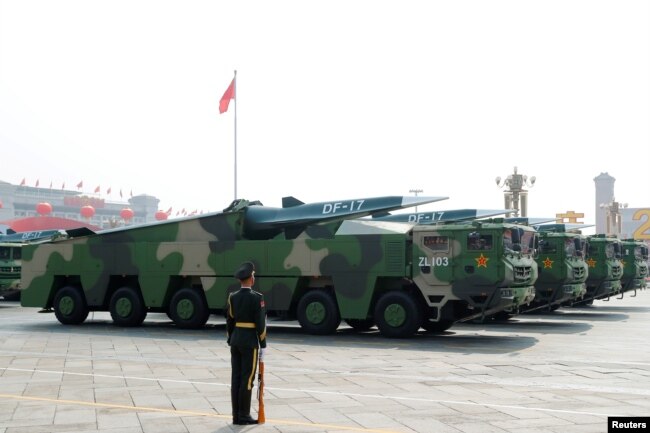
(43, 208)
(126, 213)
(161, 216)
(87, 211)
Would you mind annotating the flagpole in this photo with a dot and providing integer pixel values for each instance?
(235, 94)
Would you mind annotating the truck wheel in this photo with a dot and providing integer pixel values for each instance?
(188, 309)
(70, 306)
(398, 315)
(127, 307)
(436, 327)
(360, 324)
(318, 313)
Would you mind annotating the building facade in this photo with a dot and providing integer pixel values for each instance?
(21, 201)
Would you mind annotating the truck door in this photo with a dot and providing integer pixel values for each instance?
(433, 258)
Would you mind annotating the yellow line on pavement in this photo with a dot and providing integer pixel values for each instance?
(189, 413)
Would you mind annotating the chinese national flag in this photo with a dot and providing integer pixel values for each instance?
(80, 184)
(23, 182)
(97, 189)
(227, 96)
(108, 191)
(38, 182)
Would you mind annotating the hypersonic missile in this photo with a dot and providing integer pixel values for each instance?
(441, 215)
(561, 227)
(529, 221)
(295, 216)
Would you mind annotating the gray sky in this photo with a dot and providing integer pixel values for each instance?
(336, 99)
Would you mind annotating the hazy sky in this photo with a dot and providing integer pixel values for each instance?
(335, 99)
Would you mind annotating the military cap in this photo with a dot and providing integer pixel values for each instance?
(245, 271)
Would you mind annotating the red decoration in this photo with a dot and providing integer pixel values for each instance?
(126, 213)
(44, 208)
(161, 215)
(87, 211)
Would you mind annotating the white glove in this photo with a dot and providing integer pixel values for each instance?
(262, 350)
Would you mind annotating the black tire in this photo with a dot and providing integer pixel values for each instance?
(318, 313)
(360, 324)
(70, 306)
(188, 309)
(127, 307)
(398, 315)
(437, 327)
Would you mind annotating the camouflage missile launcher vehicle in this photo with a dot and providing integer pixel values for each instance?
(562, 267)
(605, 269)
(313, 263)
(635, 265)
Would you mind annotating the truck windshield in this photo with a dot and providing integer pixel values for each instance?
(527, 241)
(518, 239)
(478, 241)
(581, 246)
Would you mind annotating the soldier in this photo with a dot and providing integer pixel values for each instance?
(246, 326)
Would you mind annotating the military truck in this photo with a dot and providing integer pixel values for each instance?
(11, 259)
(562, 267)
(314, 263)
(605, 269)
(635, 265)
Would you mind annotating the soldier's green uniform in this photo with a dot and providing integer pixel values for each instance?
(246, 326)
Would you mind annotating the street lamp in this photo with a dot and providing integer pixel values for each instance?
(516, 197)
(614, 220)
(416, 192)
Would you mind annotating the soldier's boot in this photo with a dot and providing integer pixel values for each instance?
(244, 417)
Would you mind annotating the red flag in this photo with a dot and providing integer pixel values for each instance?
(108, 191)
(97, 189)
(37, 182)
(227, 96)
(22, 183)
(63, 185)
(169, 211)
(50, 184)
(80, 184)
(120, 192)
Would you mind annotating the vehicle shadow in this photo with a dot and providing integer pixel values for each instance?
(158, 326)
(531, 325)
(586, 313)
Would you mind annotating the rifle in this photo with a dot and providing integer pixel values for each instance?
(261, 418)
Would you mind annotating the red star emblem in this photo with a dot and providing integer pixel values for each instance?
(481, 261)
(548, 263)
(591, 263)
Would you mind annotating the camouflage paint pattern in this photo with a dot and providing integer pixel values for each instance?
(461, 281)
(357, 266)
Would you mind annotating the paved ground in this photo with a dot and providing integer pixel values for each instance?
(563, 372)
